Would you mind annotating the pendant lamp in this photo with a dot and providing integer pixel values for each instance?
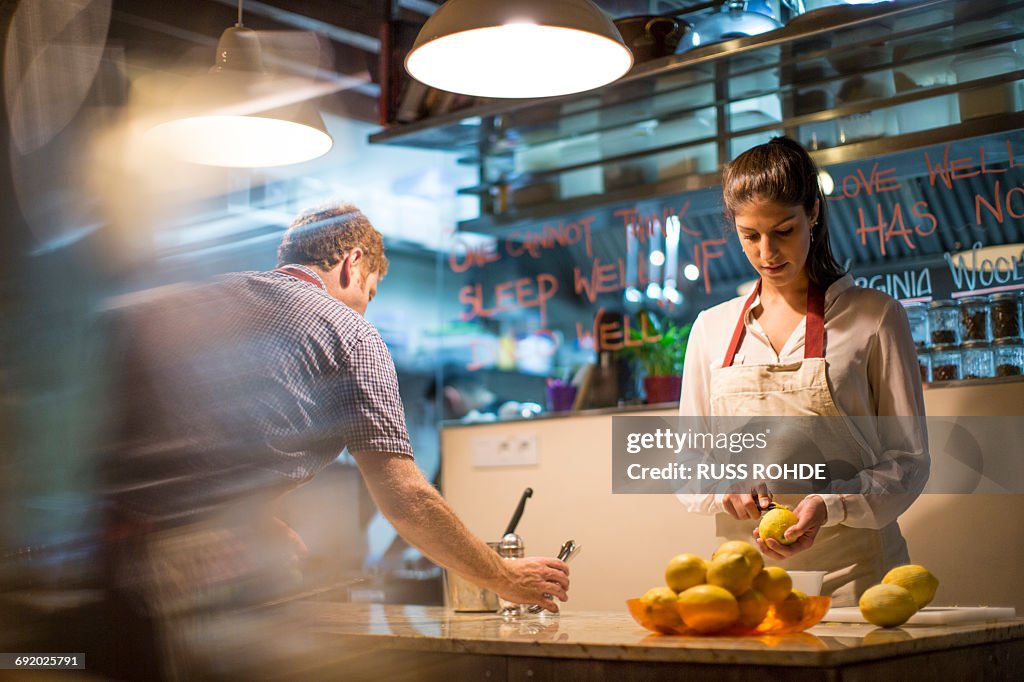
(238, 115)
(518, 48)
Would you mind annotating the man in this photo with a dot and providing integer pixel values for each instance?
(237, 390)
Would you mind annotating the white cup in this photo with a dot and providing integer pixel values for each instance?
(808, 582)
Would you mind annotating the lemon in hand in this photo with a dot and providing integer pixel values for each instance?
(917, 580)
(731, 571)
(685, 571)
(774, 524)
(752, 553)
(708, 608)
(774, 583)
(887, 605)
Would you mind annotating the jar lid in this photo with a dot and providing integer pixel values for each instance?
(1005, 296)
(1009, 341)
(974, 299)
(943, 303)
(915, 304)
(976, 344)
(945, 348)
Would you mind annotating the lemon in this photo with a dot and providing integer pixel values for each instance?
(774, 524)
(887, 605)
(657, 596)
(746, 549)
(708, 608)
(685, 571)
(753, 608)
(791, 609)
(774, 583)
(731, 571)
(915, 579)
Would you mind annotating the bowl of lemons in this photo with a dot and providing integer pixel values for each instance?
(732, 594)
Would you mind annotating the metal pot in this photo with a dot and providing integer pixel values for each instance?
(651, 36)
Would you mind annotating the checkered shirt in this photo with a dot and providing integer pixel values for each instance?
(255, 381)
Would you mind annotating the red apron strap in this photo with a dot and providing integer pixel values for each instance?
(814, 326)
(299, 273)
(737, 334)
(814, 332)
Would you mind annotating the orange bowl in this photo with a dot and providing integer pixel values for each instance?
(666, 619)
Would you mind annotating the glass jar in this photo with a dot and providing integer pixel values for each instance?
(976, 358)
(1006, 315)
(1008, 357)
(944, 323)
(917, 313)
(946, 363)
(924, 361)
(974, 318)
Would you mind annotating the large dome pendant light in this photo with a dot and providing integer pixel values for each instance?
(239, 116)
(518, 48)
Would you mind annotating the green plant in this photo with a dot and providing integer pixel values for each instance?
(664, 356)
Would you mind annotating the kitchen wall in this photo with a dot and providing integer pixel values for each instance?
(971, 542)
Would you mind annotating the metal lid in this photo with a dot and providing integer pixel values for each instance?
(945, 348)
(1005, 296)
(943, 303)
(1008, 341)
(974, 299)
(975, 344)
(511, 546)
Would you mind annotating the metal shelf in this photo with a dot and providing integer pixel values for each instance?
(849, 152)
(460, 129)
(814, 52)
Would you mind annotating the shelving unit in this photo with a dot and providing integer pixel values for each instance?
(850, 82)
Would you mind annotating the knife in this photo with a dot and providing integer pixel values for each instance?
(757, 503)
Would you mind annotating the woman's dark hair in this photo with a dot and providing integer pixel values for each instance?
(782, 171)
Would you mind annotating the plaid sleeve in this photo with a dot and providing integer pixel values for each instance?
(377, 422)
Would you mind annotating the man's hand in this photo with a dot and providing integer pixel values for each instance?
(421, 516)
(535, 580)
(811, 515)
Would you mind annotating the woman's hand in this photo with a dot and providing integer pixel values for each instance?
(811, 515)
(743, 506)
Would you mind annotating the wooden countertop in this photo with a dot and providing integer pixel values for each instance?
(614, 636)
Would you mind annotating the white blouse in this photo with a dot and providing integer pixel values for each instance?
(872, 371)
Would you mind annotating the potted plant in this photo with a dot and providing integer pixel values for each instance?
(662, 359)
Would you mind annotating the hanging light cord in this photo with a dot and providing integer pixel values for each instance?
(239, 24)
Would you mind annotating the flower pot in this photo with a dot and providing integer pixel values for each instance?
(663, 389)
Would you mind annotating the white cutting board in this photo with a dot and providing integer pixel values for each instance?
(931, 615)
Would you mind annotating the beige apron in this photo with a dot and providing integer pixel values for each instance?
(854, 558)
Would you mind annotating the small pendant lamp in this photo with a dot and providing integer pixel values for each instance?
(518, 48)
(238, 115)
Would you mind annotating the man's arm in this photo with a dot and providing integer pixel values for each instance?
(422, 517)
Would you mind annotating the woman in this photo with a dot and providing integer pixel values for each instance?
(808, 341)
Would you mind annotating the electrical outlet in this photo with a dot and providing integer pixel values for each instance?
(517, 450)
(522, 448)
